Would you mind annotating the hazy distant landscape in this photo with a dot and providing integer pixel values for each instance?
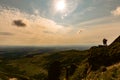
(29, 50)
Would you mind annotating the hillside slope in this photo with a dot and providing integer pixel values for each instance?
(95, 63)
(98, 63)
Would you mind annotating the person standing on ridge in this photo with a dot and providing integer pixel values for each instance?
(105, 42)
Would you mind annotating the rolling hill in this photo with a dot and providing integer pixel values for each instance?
(94, 63)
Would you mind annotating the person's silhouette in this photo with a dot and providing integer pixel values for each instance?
(105, 42)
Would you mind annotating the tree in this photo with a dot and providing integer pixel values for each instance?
(54, 71)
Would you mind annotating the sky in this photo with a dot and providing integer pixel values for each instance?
(58, 22)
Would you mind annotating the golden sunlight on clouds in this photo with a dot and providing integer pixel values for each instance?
(95, 33)
(38, 30)
(42, 31)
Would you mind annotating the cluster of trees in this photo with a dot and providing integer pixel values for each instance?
(55, 69)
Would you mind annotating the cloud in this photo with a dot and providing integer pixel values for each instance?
(116, 12)
(43, 31)
(80, 31)
(19, 23)
(98, 21)
(36, 11)
(6, 33)
(48, 32)
(37, 26)
(95, 33)
(86, 10)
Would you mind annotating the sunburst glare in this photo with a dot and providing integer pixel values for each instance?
(60, 5)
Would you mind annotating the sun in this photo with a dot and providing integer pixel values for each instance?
(60, 5)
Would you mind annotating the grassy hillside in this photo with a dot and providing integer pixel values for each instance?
(100, 58)
(37, 66)
(96, 63)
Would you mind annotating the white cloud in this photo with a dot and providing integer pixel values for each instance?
(116, 12)
(36, 11)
